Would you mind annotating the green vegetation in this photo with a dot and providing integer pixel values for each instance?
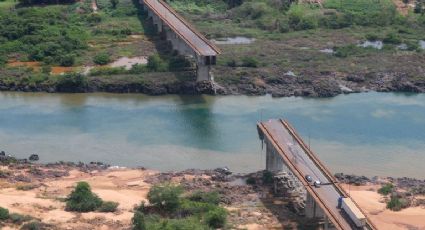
(35, 225)
(155, 63)
(397, 203)
(170, 209)
(108, 206)
(4, 213)
(102, 58)
(386, 189)
(71, 82)
(267, 177)
(19, 219)
(251, 181)
(13, 217)
(82, 199)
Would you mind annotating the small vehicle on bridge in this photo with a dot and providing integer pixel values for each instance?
(309, 178)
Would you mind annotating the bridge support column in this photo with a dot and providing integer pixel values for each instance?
(203, 72)
(157, 22)
(274, 162)
(312, 209)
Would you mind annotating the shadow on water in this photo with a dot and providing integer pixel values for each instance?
(199, 121)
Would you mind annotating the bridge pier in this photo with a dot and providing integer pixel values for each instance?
(312, 209)
(274, 162)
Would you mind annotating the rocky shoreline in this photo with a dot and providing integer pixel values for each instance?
(258, 82)
(325, 84)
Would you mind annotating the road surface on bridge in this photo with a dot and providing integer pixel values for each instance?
(303, 163)
(193, 38)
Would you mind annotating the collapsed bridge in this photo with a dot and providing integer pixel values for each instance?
(183, 37)
(325, 197)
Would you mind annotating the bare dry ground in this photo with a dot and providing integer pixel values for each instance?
(249, 207)
(374, 205)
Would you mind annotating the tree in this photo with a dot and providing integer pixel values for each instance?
(67, 60)
(165, 197)
(114, 3)
(216, 218)
(4, 213)
(155, 63)
(82, 199)
(138, 221)
(101, 58)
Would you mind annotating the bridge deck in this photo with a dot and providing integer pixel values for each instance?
(193, 38)
(301, 160)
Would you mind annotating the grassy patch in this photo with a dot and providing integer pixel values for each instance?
(386, 189)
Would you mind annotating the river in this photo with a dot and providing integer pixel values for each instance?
(366, 134)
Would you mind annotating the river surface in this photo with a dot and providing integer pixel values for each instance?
(370, 133)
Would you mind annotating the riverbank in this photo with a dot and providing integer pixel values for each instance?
(37, 191)
(260, 56)
(258, 82)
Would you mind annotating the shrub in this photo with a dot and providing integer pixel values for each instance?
(138, 221)
(138, 69)
(216, 218)
(397, 204)
(188, 207)
(155, 63)
(82, 199)
(372, 37)
(184, 223)
(4, 213)
(46, 69)
(35, 225)
(386, 189)
(67, 60)
(251, 181)
(101, 58)
(179, 63)
(392, 38)
(267, 177)
(205, 197)
(71, 82)
(26, 187)
(18, 218)
(165, 197)
(231, 63)
(345, 51)
(249, 62)
(108, 206)
(106, 70)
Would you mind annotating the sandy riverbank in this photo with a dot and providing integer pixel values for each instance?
(250, 207)
(374, 205)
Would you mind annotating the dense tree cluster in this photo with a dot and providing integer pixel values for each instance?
(51, 36)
